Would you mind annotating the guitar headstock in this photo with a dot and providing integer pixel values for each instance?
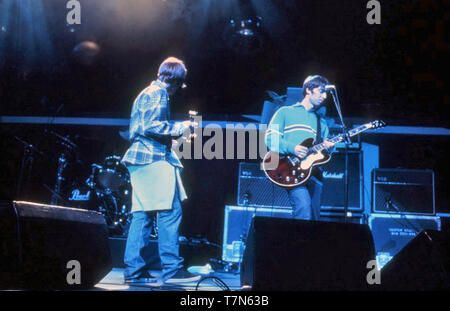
(376, 124)
(192, 113)
(192, 135)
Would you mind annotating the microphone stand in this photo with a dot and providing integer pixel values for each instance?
(27, 161)
(391, 206)
(62, 163)
(347, 142)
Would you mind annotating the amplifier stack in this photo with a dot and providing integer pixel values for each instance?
(256, 190)
(258, 196)
(403, 205)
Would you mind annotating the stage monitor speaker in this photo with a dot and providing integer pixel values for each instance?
(290, 255)
(236, 224)
(422, 265)
(51, 247)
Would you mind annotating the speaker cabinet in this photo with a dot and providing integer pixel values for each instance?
(403, 191)
(423, 264)
(289, 255)
(391, 232)
(334, 183)
(51, 247)
(255, 189)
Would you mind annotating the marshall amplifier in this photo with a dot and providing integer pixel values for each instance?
(404, 191)
(255, 189)
(334, 186)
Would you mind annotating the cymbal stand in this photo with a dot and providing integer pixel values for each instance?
(26, 163)
(62, 163)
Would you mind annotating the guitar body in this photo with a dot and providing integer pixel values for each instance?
(288, 170)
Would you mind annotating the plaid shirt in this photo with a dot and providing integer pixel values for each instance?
(150, 130)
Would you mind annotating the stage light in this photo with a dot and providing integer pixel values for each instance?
(244, 35)
(26, 24)
(247, 26)
(86, 52)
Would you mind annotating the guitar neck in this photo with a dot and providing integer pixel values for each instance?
(340, 137)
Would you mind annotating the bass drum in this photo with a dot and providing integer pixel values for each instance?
(115, 207)
(79, 195)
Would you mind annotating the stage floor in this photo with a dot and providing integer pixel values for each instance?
(114, 281)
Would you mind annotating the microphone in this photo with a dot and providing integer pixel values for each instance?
(330, 87)
(246, 197)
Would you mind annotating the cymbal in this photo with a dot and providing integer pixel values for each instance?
(125, 134)
(65, 140)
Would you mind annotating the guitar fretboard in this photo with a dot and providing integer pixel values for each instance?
(338, 138)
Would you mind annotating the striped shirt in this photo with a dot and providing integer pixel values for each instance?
(151, 132)
(290, 126)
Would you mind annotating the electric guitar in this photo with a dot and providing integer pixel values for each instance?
(291, 171)
(188, 139)
(192, 134)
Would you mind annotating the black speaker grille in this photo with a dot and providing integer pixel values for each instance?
(333, 181)
(403, 191)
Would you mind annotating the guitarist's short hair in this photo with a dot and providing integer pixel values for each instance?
(311, 82)
(172, 70)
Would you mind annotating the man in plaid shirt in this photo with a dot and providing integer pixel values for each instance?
(155, 178)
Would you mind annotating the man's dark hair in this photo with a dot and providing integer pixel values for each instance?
(172, 70)
(311, 82)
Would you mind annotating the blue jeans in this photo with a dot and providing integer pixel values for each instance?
(137, 258)
(305, 200)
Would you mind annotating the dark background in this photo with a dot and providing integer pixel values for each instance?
(394, 71)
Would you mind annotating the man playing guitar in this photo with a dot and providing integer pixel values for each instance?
(155, 178)
(292, 125)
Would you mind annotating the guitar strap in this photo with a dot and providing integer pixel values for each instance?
(319, 130)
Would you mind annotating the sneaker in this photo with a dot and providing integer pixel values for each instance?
(144, 278)
(141, 280)
(183, 276)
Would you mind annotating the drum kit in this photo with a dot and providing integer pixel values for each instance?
(107, 188)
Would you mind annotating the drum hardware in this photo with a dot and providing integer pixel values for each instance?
(68, 147)
(62, 163)
(106, 190)
(125, 134)
(26, 164)
(111, 184)
(112, 175)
